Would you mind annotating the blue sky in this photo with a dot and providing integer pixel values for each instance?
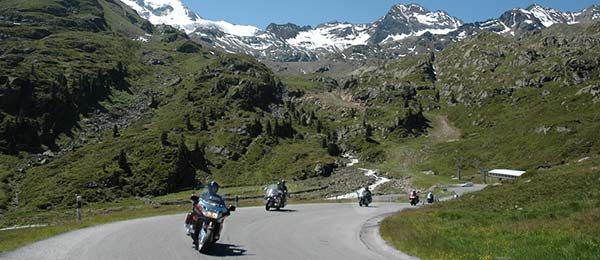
(313, 12)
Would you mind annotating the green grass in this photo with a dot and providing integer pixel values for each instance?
(548, 215)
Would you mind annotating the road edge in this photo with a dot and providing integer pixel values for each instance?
(371, 238)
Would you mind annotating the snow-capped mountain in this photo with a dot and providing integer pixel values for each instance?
(404, 21)
(174, 13)
(405, 30)
(291, 42)
(536, 17)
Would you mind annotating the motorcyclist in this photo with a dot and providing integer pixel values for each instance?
(367, 191)
(212, 189)
(282, 187)
(430, 197)
(413, 196)
(364, 196)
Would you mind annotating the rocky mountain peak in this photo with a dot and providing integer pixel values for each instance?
(412, 20)
(589, 14)
(407, 8)
(287, 31)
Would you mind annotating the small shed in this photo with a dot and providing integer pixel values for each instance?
(506, 174)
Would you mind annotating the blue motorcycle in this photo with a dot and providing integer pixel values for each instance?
(208, 217)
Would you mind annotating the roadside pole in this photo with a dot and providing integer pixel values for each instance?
(459, 160)
(484, 175)
(79, 204)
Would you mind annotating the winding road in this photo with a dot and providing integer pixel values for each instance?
(311, 231)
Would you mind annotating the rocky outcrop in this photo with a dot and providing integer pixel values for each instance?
(286, 31)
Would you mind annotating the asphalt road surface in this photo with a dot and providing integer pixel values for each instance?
(312, 231)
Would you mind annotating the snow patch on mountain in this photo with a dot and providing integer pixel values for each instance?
(337, 36)
(228, 28)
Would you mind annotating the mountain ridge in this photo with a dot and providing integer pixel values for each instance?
(292, 42)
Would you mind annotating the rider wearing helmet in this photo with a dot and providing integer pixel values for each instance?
(281, 185)
(213, 188)
(366, 191)
(413, 193)
(211, 194)
(430, 197)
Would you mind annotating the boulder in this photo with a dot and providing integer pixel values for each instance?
(189, 47)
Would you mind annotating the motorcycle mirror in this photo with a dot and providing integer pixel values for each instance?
(231, 208)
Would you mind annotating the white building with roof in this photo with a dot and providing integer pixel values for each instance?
(506, 174)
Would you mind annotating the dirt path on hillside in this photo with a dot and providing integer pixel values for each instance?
(443, 131)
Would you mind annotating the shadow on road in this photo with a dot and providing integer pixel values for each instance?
(285, 210)
(227, 250)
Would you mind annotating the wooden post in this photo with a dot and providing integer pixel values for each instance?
(484, 174)
(459, 160)
(79, 202)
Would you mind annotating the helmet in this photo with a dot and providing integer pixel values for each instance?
(213, 187)
(282, 181)
(366, 187)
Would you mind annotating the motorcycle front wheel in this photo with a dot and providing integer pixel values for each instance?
(204, 241)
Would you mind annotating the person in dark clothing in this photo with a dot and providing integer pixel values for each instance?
(282, 187)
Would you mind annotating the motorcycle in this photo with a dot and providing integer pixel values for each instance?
(430, 199)
(414, 200)
(364, 198)
(207, 221)
(274, 197)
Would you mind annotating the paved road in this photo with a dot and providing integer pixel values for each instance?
(318, 231)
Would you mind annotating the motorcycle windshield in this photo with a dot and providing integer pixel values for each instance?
(273, 190)
(213, 203)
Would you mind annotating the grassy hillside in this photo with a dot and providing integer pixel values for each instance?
(526, 104)
(98, 102)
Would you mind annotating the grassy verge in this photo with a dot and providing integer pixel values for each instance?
(553, 214)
